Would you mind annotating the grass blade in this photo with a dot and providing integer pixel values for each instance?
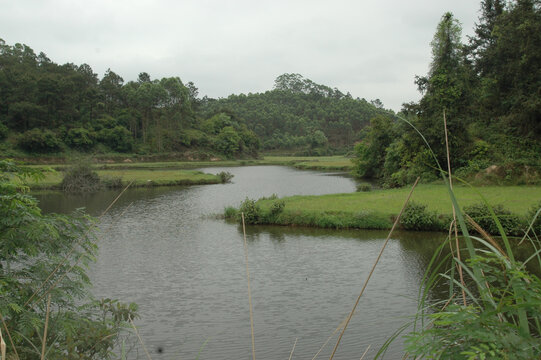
(373, 268)
(249, 290)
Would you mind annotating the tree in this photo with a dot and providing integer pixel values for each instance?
(442, 86)
(445, 91)
(228, 141)
(45, 256)
(512, 83)
(370, 152)
(111, 88)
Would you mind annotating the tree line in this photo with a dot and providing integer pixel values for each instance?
(301, 114)
(50, 108)
(488, 90)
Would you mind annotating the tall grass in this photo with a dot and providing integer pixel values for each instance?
(499, 315)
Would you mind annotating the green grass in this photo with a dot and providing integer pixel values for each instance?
(140, 177)
(374, 209)
(518, 199)
(312, 162)
(304, 162)
(161, 173)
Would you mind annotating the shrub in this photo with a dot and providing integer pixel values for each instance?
(484, 331)
(230, 212)
(118, 138)
(79, 138)
(37, 245)
(81, 178)
(364, 187)
(277, 207)
(416, 217)
(112, 182)
(481, 214)
(225, 177)
(39, 140)
(252, 211)
(227, 142)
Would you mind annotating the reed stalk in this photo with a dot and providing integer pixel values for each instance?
(454, 210)
(249, 290)
(2, 346)
(9, 337)
(65, 259)
(44, 340)
(330, 337)
(291, 355)
(373, 268)
(140, 340)
(365, 352)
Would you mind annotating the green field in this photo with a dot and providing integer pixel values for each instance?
(139, 177)
(164, 173)
(518, 199)
(376, 209)
(311, 162)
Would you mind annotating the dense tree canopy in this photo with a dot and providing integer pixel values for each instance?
(298, 112)
(488, 91)
(46, 107)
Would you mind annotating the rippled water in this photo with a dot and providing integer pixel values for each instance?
(186, 271)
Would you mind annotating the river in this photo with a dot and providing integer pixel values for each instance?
(163, 249)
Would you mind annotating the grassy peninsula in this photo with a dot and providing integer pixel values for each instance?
(376, 209)
(168, 173)
(137, 177)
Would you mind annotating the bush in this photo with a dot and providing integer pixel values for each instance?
(79, 138)
(112, 182)
(484, 331)
(81, 178)
(37, 245)
(252, 211)
(227, 142)
(481, 214)
(39, 140)
(416, 217)
(364, 187)
(225, 177)
(118, 138)
(277, 207)
(230, 212)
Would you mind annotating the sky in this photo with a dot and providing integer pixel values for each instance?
(370, 48)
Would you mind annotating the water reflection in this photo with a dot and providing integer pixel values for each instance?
(186, 270)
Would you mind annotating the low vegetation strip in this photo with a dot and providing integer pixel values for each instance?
(375, 209)
(140, 177)
(312, 162)
(517, 199)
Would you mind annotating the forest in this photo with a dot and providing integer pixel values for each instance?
(488, 91)
(487, 88)
(47, 108)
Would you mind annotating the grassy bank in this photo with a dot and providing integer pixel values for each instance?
(167, 173)
(324, 163)
(139, 177)
(376, 209)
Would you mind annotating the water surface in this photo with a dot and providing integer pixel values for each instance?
(186, 270)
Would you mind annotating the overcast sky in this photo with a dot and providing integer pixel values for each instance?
(370, 48)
